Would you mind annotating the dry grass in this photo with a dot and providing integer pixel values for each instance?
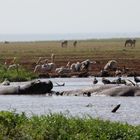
(99, 50)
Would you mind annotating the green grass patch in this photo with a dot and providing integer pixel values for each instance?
(16, 75)
(60, 127)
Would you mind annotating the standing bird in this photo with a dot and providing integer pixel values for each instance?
(106, 81)
(95, 81)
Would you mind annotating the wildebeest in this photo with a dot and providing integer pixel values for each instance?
(64, 43)
(130, 42)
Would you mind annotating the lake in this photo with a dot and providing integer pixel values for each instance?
(95, 106)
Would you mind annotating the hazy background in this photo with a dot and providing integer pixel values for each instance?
(68, 19)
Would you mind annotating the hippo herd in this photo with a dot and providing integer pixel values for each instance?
(38, 87)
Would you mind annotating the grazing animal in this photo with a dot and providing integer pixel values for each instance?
(111, 65)
(95, 81)
(106, 81)
(64, 43)
(130, 42)
(75, 43)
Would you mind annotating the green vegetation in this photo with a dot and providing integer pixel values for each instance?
(60, 127)
(15, 75)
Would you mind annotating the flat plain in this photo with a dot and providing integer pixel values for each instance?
(99, 50)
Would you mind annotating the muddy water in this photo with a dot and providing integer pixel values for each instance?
(95, 106)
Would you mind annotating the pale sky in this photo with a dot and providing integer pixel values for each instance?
(69, 16)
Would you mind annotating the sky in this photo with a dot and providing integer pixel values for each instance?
(69, 16)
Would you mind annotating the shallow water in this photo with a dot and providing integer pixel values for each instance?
(95, 106)
(78, 83)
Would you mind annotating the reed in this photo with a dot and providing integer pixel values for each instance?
(16, 75)
(62, 127)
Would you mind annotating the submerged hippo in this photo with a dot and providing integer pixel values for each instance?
(122, 90)
(107, 90)
(34, 87)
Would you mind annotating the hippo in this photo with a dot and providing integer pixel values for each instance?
(31, 88)
(122, 90)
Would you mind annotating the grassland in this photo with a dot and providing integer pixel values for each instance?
(27, 53)
(60, 127)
